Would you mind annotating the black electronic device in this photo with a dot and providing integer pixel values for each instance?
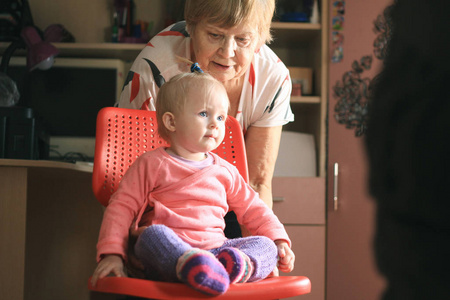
(22, 135)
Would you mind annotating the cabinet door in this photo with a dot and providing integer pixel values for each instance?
(299, 204)
(299, 200)
(308, 244)
(351, 271)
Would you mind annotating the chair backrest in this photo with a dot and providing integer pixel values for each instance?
(124, 134)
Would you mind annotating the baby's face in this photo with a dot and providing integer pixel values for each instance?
(200, 127)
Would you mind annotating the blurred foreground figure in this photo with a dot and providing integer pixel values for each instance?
(408, 145)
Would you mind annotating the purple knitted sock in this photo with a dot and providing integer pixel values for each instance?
(202, 271)
(158, 248)
(237, 263)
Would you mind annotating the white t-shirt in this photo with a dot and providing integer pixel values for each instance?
(265, 95)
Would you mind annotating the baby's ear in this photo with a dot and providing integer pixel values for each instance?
(168, 119)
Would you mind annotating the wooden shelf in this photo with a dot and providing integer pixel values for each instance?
(128, 52)
(305, 45)
(100, 50)
(292, 35)
(295, 26)
(122, 51)
(28, 163)
(306, 99)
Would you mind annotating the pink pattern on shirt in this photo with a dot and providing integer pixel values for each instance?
(135, 83)
(146, 104)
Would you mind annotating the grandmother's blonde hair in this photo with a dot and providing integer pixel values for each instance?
(229, 13)
(173, 95)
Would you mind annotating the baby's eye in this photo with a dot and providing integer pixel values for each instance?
(221, 118)
(203, 114)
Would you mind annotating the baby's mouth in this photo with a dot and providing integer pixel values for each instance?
(210, 136)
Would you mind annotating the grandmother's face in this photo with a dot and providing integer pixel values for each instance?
(225, 53)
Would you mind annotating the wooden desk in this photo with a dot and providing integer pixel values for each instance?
(49, 223)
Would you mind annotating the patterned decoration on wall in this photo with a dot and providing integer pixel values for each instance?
(384, 30)
(353, 92)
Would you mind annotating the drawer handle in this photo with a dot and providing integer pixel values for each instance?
(278, 199)
(335, 187)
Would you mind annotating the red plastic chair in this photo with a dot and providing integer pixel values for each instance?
(122, 136)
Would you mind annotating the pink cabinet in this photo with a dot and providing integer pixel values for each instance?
(300, 206)
(351, 270)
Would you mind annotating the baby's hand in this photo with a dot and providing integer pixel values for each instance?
(109, 264)
(286, 257)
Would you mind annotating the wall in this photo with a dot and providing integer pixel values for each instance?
(90, 21)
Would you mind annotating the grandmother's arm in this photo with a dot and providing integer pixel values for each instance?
(262, 144)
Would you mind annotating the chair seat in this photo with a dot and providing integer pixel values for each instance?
(262, 290)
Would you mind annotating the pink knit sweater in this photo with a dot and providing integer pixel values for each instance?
(192, 202)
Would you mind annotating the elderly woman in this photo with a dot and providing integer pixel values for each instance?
(228, 40)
